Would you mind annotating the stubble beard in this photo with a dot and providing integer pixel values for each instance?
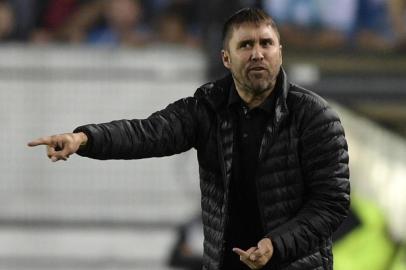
(252, 87)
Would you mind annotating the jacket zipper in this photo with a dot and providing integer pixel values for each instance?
(226, 185)
(263, 147)
(256, 179)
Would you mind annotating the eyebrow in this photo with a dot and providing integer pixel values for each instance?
(271, 40)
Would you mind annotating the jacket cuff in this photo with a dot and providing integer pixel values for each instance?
(278, 248)
(84, 149)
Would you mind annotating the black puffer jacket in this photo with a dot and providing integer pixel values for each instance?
(302, 177)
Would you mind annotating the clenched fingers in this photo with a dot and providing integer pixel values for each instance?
(263, 250)
(55, 155)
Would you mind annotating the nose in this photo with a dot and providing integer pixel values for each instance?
(257, 54)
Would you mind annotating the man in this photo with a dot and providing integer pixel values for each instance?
(273, 159)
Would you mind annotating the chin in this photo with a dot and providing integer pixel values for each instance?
(259, 88)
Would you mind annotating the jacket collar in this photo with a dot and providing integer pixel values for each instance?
(217, 93)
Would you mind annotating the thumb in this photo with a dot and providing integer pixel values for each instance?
(262, 245)
(265, 246)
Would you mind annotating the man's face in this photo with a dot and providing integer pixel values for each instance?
(254, 57)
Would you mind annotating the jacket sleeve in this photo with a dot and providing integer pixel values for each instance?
(323, 155)
(169, 131)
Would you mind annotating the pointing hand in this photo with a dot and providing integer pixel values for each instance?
(256, 257)
(60, 147)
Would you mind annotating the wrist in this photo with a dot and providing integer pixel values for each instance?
(82, 138)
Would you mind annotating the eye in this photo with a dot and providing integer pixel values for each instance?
(266, 42)
(246, 44)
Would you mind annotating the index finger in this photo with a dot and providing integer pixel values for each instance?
(40, 141)
(241, 252)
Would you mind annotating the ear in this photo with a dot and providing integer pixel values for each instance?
(225, 56)
(280, 53)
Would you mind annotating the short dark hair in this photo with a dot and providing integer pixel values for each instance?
(246, 15)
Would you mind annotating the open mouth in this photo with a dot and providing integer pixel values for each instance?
(257, 69)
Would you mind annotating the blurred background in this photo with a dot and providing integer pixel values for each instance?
(65, 63)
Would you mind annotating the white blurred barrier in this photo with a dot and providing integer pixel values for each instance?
(378, 168)
(45, 91)
(52, 90)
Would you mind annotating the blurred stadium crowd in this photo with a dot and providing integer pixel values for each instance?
(326, 24)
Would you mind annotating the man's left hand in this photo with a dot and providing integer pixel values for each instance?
(256, 257)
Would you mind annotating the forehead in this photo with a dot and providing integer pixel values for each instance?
(252, 31)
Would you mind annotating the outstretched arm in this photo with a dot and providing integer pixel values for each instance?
(166, 132)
